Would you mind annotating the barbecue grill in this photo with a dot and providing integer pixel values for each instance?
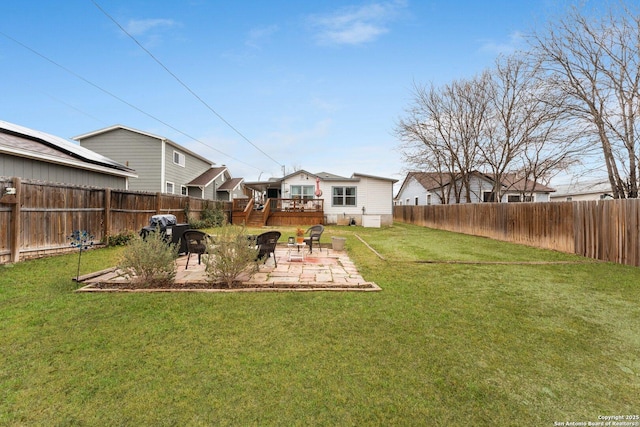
(169, 227)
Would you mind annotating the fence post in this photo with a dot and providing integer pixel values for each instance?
(106, 226)
(16, 221)
(158, 203)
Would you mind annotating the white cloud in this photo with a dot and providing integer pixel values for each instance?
(142, 26)
(356, 25)
(516, 41)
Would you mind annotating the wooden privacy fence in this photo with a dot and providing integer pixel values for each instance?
(607, 230)
(39, 217)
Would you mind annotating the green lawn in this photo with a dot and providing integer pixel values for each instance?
(442, 344)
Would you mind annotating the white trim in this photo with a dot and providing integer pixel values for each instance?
(166, 189)
(182, 159)
(345, 196)
(163, 161)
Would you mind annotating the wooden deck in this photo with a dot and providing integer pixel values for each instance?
(285, 212)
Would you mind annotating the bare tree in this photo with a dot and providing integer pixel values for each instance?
(596, 63)
(440, 133)
(527, 130)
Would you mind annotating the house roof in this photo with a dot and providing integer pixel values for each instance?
(373, 177)
(583, 188)
(207, 177)
(429, 180)
(230, 184)
(515, 182)
(326, 176)
(510, 181)
(330, 176)
(24, 142)
(150, 135)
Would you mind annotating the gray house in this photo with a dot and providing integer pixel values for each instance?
(162, 165)
(220, 182)
(34, 155)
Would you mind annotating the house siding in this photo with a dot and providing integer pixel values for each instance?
(181, 175)
(238, 193)
(139, 152)
(414, 189)
(50, 172)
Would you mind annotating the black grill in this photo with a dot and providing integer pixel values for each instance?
(169, 227)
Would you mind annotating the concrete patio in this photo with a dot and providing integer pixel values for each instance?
(325, 270)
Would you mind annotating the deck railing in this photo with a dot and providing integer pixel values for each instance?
(241, 210)
(297, 205)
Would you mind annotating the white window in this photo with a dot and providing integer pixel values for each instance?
(529, 199)
(304, 192)
(417, 201)
(178, 158)
(183, 190)
(428, 199)
(568, 199)
(344, 196)
(513, 198)
(169, 188)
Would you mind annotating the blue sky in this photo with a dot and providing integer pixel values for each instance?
(316, 85)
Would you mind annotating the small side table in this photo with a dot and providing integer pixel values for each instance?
(298, 254)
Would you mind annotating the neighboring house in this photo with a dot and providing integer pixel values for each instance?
(592, 190)
(162, 165)
(432, 188)
(219, 180)
(34, 155)
(365, 199)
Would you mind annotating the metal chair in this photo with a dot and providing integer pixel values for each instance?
(314, 236)
(196, 242)
(267, 245)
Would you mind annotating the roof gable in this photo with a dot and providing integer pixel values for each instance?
(206, 178)
(230, 184)
(150, 135)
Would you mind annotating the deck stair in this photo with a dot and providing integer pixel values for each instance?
(255, 219)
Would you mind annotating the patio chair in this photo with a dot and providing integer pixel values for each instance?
(196, 242)
(314, 236)
(267, 245)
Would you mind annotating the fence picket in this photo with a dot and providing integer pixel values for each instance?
(49, 213)
(608, 230)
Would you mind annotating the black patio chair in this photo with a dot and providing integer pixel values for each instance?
(267, 245)
(196, 243)
(314, 236)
